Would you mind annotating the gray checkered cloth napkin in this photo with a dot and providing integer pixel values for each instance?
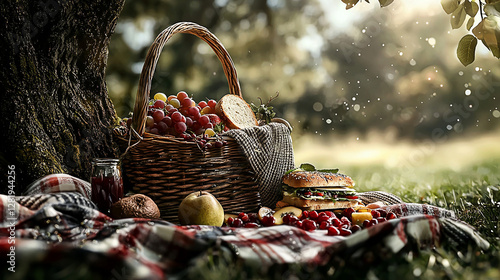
(270, 153)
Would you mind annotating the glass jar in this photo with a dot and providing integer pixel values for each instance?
(107, 183)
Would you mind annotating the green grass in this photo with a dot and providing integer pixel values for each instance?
(444, 178)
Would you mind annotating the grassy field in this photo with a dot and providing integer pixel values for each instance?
(461, 175)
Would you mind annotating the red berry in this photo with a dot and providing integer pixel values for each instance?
(268, 221)
(230, 221)
(381, 219)
(382, 212)
(348, 212)
(237, 222)
(313, 215)
(187, 102)
(345, 221)
(158, 115)
(180, 127)
(309, 225)
(298, 224)
(336, 222)
(202, 104)
(375, 214)
(212, 103)
(329, 213)
(251, 225)
(324, 225)
(345, 232)
(373, 222)
(305, 214)
(244, 217)
(333, 231)
(292, 220)
(159, 104)
(367, 224)
(203, 120)
(391, 216)
(176, 116)
(181, 95)
(355, 228)
(253, 217)
(286, 219)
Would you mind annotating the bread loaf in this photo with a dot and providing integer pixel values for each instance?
(235, 112)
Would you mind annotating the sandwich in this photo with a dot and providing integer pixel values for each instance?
(318, 190)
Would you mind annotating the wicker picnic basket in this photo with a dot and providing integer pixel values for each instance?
(166, 168)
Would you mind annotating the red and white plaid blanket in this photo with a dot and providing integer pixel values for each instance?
(55, 228)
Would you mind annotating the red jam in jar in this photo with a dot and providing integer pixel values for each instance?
(107, 183)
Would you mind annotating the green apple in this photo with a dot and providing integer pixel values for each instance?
(201, 208)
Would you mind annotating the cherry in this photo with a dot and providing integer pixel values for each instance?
(305, 214)
(367, 224)
(299, 224)
(391, 216)
(244, 217)
(382, 212)
(329, 213)
(373, 222)
(313, 215)
(355, 228)
(333, 231)
(293, 219)
(375, 214)
(230, 221)
(253, 217)
(251, 225)
(309, 225)
(381, 219)
(348, 212)
(237, 222)
(345, 232)
(268, 221)
(336, 222)
(323, 217)
(345, 220)
(324, 225)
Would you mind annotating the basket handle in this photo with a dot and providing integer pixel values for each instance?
(142, 96)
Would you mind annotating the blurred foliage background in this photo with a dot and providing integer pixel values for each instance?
(390, 71)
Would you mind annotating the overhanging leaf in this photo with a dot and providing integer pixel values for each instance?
(488, 31)
(385, 3)
(458, 17)
(336, 170)
(470, 23)
(466, 50)
(471, 8)
(449, 6)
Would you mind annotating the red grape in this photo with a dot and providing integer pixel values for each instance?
(244, 217)
(158, 115)
(159, 104)
(189, 122)
(182, 95)
(208, 125)
(193, 111)
(299, 224)
(268, 221)
(367, 224)
(154, 130)
(203, 104)
(355, 228)
(348, 212)
(203, 120)
(180, 127)
(176, 116)
(167, 120)
(237, 222)
(336, 222)
(162, 127)
(187, 102)
(211, 103)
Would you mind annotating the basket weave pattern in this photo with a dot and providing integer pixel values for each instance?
(166, 168)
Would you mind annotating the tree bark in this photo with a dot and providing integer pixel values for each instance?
(56, 115)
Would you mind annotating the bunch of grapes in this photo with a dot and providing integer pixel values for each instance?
(179, 115)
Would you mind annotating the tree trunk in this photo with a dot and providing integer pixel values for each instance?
(55, 111)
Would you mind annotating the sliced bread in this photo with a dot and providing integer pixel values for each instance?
(235, 112)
